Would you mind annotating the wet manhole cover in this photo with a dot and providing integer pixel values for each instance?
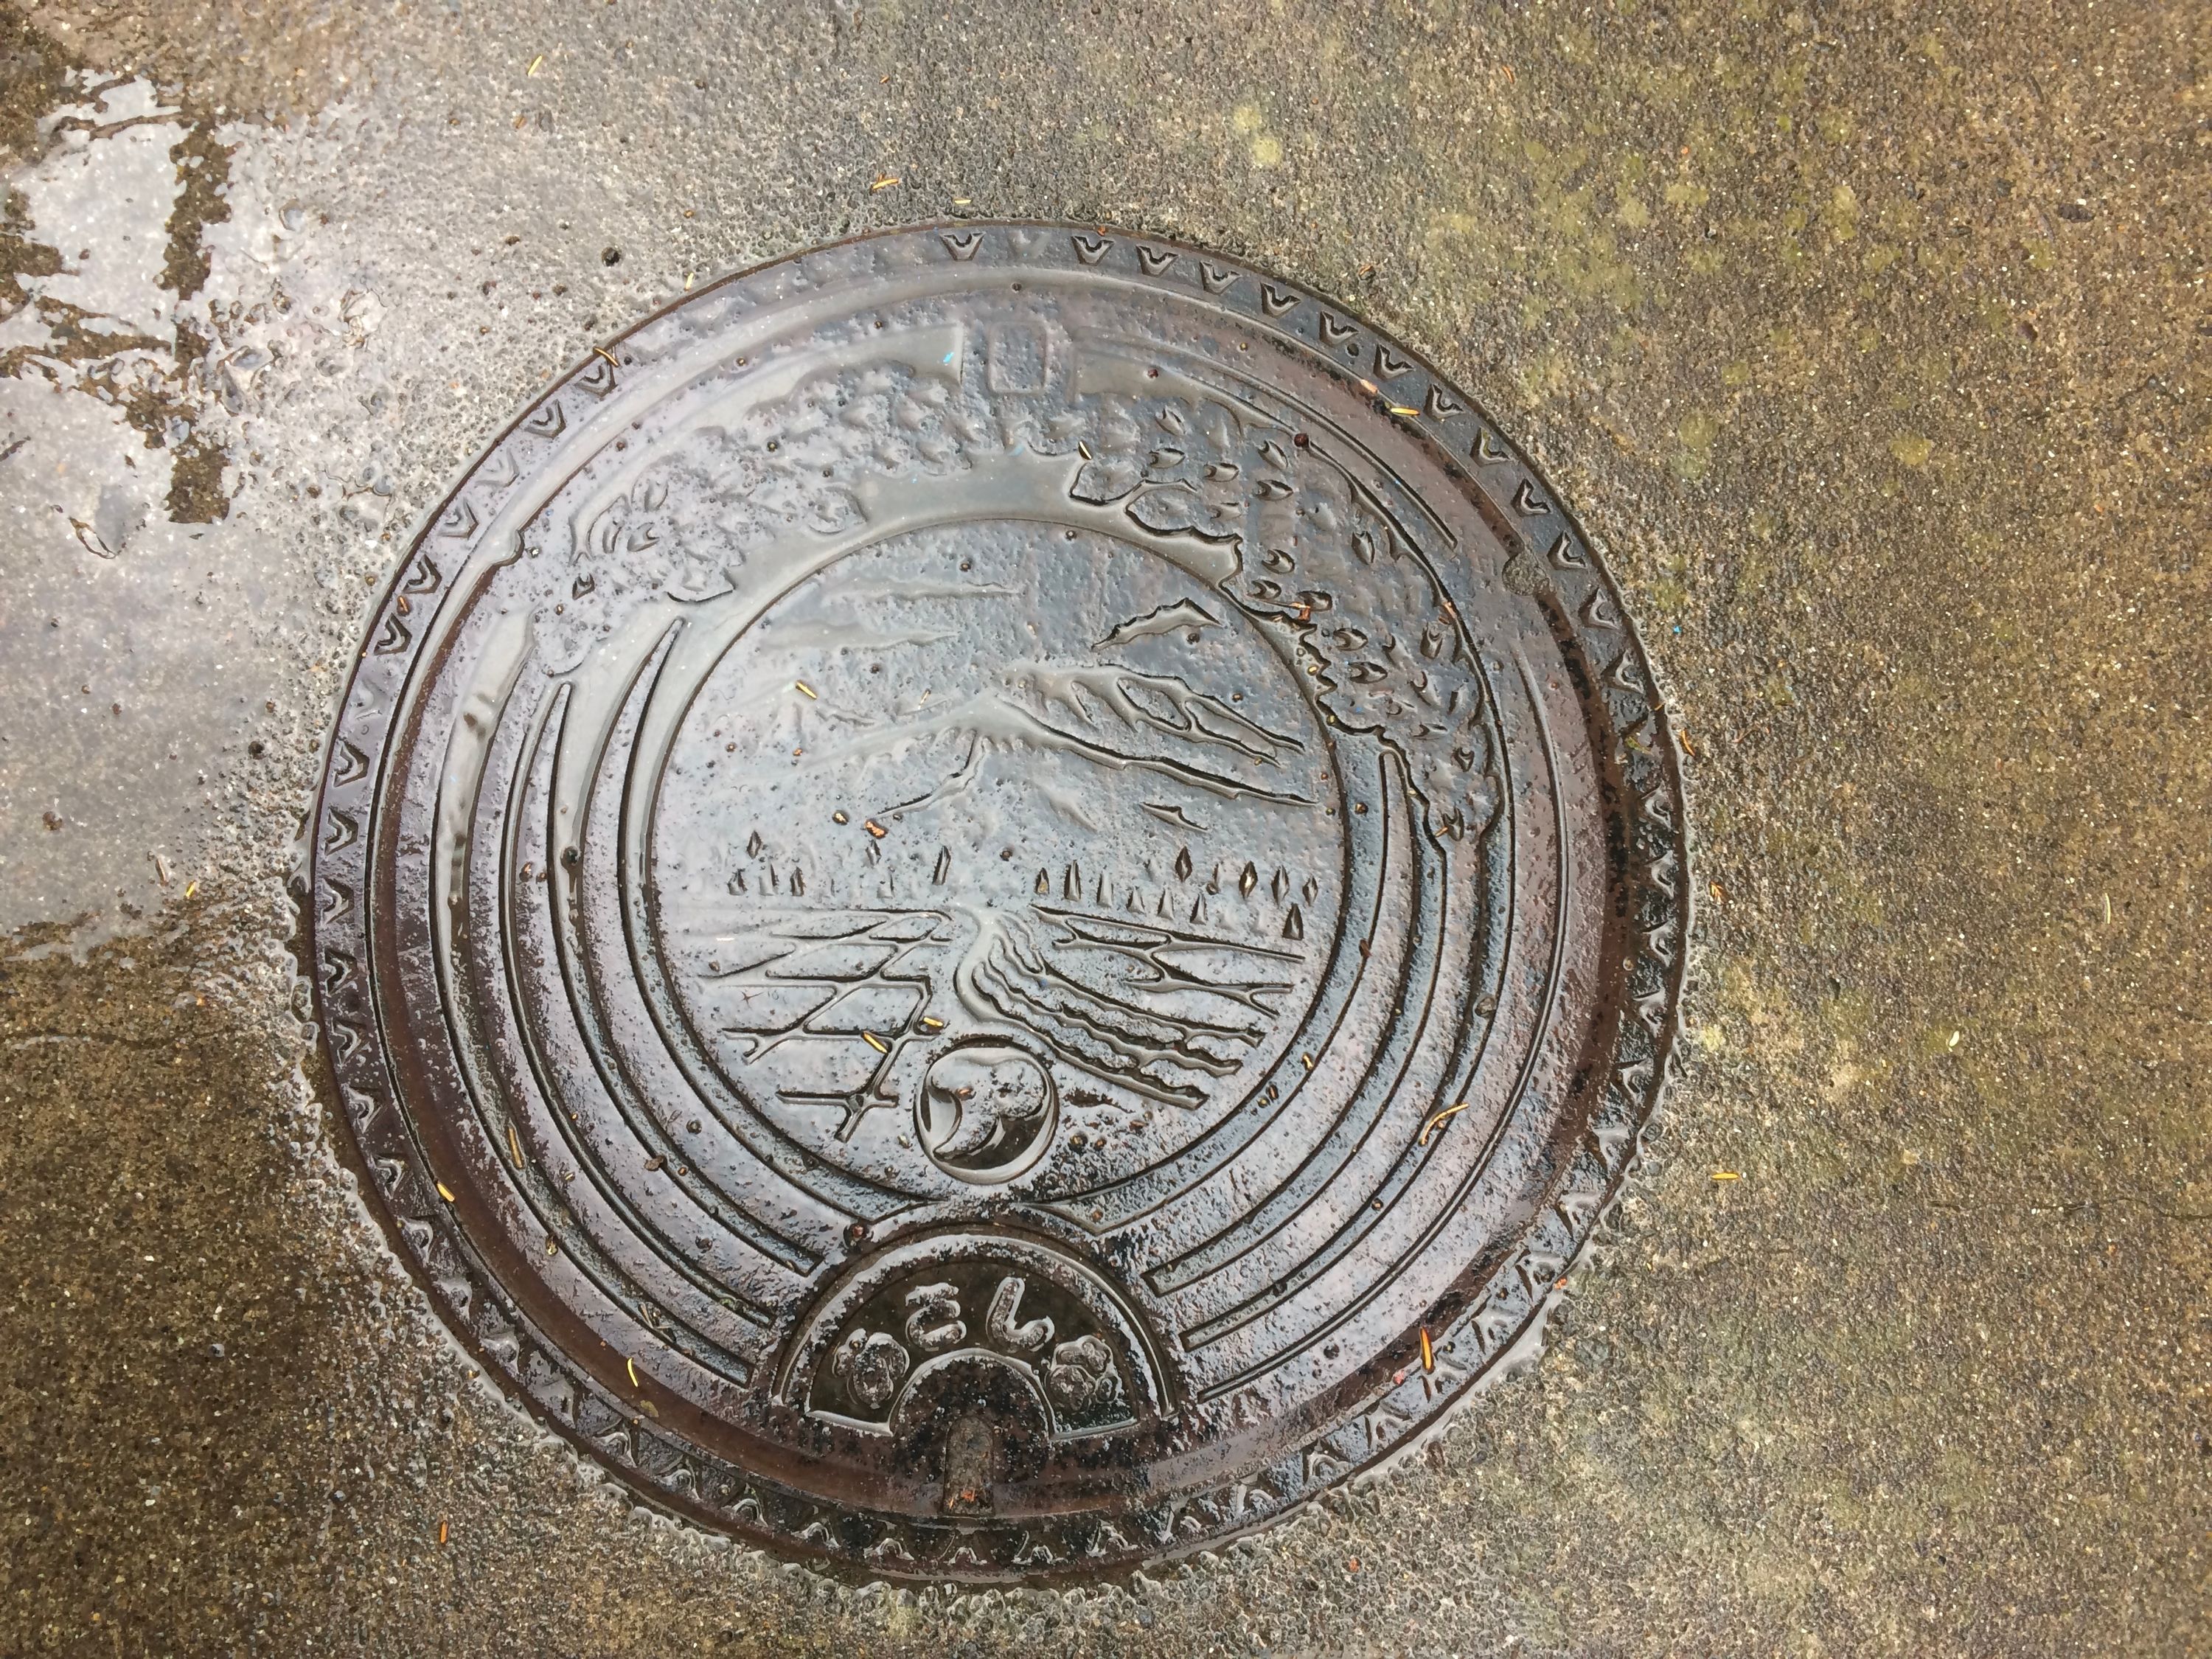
(995, 900)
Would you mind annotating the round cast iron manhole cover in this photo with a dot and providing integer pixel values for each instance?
(996, 900)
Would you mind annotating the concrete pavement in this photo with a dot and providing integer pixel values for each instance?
(1868, 341)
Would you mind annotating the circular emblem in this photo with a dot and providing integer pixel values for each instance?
(994, 901)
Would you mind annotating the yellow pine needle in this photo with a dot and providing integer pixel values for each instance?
(1432, 1126)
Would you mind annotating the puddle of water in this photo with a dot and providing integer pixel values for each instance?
(148, 619)
(101, 198)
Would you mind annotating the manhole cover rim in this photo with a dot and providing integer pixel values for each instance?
(1521, 509)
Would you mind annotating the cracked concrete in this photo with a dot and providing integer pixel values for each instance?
(1867, 339)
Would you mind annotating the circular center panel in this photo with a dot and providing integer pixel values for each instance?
(995, 900)
(980, 823)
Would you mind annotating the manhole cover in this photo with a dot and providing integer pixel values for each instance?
(995, 901)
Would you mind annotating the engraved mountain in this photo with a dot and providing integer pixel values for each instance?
(1099, 713)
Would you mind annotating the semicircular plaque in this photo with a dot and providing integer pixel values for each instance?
(994, 901)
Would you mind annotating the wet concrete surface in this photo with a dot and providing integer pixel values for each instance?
(1869, 341)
